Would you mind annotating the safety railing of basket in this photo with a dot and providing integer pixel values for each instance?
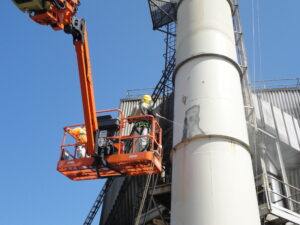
(72, 153)
(155, 136)
(65, 146)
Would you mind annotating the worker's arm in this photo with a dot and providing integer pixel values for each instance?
(79, 134)
(153, 112)
(74, 132)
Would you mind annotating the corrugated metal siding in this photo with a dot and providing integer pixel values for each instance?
(123, 210)
(111, 196)
(274, 119)
(127, 106)
(287, 99)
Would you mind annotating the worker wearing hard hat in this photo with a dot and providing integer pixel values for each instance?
(145, 107)
(142, 128)
(79, 133)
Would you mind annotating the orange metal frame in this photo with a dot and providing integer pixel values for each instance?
(57, 18)
(134, 163)
(131, 164)
(87, 92)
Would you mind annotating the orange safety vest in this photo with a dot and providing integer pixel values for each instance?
(79, 134)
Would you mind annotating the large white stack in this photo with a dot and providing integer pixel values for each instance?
(213, 181)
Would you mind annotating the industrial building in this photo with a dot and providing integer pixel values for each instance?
(225, 150)
(276, 158)
(272, 110)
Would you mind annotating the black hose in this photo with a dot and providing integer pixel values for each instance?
(96, 165)
(106, 164)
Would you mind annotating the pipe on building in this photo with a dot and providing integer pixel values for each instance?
(213, 182)
(276, 186)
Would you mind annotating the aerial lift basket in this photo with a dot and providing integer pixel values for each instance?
(124, 158)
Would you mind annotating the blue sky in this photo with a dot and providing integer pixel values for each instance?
(40, 94)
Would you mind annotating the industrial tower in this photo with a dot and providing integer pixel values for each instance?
(209, 192)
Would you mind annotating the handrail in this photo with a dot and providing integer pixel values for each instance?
(155, 136)
(283, 197)
(111, 110)
(276, 83)
(269, 190)
(75, 125)
(274, 178)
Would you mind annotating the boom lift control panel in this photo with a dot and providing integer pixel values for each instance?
(108, 149)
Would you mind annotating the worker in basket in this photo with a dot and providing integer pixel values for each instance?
(79, 133)
(142, 128)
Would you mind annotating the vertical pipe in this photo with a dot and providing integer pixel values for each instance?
(213, 182)
(271, 169)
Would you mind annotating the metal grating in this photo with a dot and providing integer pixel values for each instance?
(165, 85)
(162, 12)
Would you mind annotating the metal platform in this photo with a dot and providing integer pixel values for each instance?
(162, 12)
(131, 164)
(277, 208)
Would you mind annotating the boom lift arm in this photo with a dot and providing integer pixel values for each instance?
(61, 15)
(78, 30)
(110, 152)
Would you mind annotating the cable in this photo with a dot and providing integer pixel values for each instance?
(259, 40)
(253, 41)
(138, 218)
(256, 153)
(151, 198)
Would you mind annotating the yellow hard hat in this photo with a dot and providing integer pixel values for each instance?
(147, 99)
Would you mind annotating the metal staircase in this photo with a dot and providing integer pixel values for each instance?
(165, 85)
(242, 60)
(97, 204)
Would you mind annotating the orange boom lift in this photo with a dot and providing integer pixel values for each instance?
(110, 151)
